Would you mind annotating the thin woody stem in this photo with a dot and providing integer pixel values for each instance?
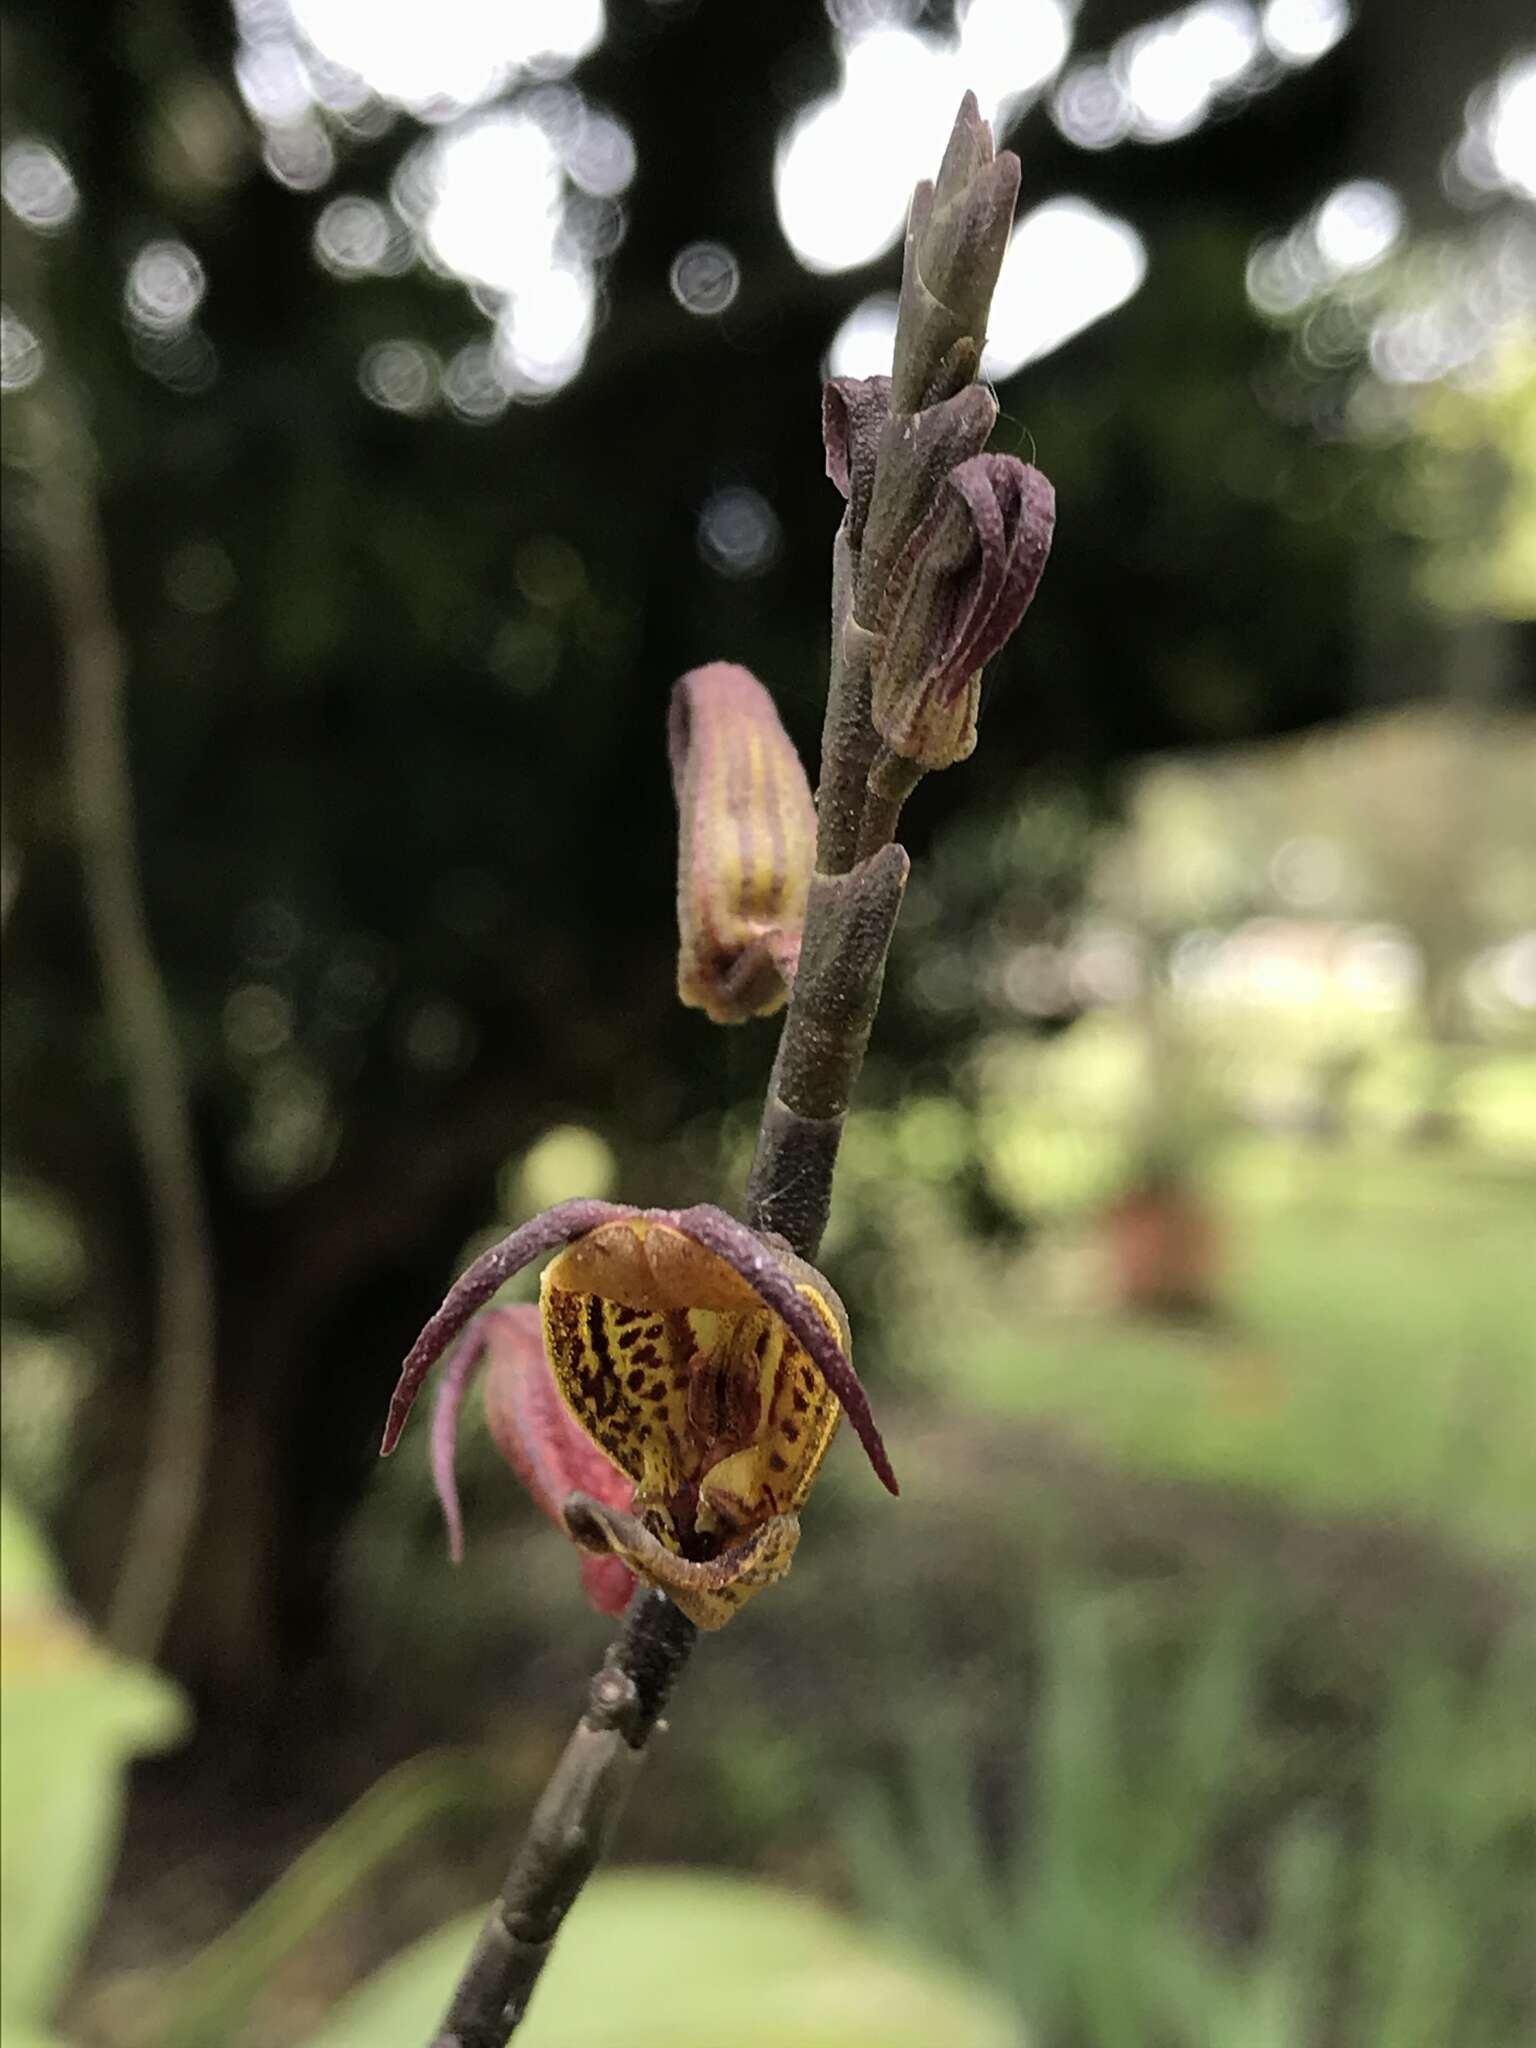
(892, 779)
(848, 738)
(571, 1824)
(848, 927)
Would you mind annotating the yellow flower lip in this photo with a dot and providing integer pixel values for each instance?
(774, 1276)
(647, 1263)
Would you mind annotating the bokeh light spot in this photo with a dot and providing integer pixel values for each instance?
(1300, 31)
(542, 334)
(1173, 69)
(258, 1021)
(1091, 108)
(738, 532)
(599, 158)
(472, 385)
(301, 157)
(37, 186)
(1356, 225)
(1067, 265)
(353, 237)
(438, 1037)
(549, 572)
(437, 61)
(846, 165)
(865, 343)
(165, 287)
(22, 360)
(1500, 147)
(569, 1160)
(705, 278)
(401, 376)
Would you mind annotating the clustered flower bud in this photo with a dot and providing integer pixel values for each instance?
(746, 845)
(945, 545)
(961, 584)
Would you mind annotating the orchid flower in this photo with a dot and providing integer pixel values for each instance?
(691, 1377)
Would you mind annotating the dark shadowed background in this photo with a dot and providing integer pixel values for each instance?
(409, 395)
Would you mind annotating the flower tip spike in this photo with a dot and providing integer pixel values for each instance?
(475, 1286)
(968, 151)
(855, 1405)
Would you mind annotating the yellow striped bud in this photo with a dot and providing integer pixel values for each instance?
(746, 845)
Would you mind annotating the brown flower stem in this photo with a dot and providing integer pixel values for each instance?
(851, 915)
(892, 779)
(848, 928)
(848, 738)
(571, 1824)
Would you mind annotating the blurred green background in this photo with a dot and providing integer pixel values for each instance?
(432, 386)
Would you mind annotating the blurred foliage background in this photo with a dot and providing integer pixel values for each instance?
(433, 386)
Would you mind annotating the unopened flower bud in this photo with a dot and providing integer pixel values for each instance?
(957, 232)
(918, 452)
(961, 584)
(746, 844)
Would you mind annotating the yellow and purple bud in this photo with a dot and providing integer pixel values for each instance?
(746, 844)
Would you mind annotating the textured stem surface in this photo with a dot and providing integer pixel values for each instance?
(571, 1824)
(848, 929)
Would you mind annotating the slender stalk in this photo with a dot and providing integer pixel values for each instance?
(892, 779)
(138, 1011)
(571, 1824)
(848, 926)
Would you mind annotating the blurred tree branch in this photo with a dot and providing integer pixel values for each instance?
(138, 1013)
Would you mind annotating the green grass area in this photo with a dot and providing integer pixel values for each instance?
(1375, 1350)
(1180, 1866)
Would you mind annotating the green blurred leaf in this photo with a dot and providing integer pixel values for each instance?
(71, 1717)
(205, 2003)
(661, 1959)
(27, 1574)
(21, 2034)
